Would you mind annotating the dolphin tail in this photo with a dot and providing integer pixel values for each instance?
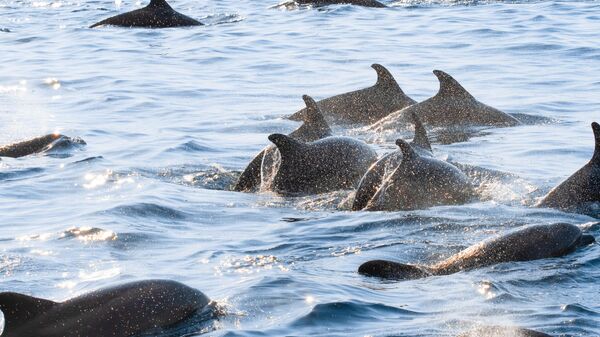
(313, 118)
(392, 270)
(407, 151)
(596, 157)
(285, 143)
(449, 86)
(384, 77)
(19, 308)
(421, 138)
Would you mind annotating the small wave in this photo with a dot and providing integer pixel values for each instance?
(194, 146)
(149, 210)
(218, 19)
(21, 173)
(350, 313)
(89, 234)
(62, 147)
(5, 30)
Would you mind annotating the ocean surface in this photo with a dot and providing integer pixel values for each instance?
(172, 116)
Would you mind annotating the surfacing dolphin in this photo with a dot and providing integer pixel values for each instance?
(326, 165)
(386, 165)
(124, 310)
(502, 331)
(158, 14)
(32, 146)
(581, 187)
(364, 3)
(530, 243)
(364, 106)
(451, 106)
(421, 182)
(314, 128)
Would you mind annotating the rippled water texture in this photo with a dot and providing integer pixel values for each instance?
(171, 116)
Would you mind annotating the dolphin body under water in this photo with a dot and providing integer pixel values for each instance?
(581, 187)
(326, 165)
(32, 146)
(452, 106)
(314, 128)
(502, 331)
(364, 3)
(381, 170)
(420, 182)
(158, 14)
(530, 243)
(364, 106)
(124, 310)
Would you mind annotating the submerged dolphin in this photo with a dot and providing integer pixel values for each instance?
(32, 146)
(124, 310)
(502, 331)
(451, 106)
(158, 14)
(314, 128)
(581, 187)
(531, 243)
(381, 170)
(420, 182)
(326, 165)
(364, 3)
(364, 106)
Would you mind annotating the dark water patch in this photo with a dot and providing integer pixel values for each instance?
(89, 160)
(149, 211)
(5, 30)
(63, 147)
(207, 177)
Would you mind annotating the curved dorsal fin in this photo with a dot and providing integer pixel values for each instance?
(159, 3)
(284, 143)
(596, 157)
(449, 86)
(19, 308)
(314, 118)
(384, 77)
(407, 150)
(421, 138)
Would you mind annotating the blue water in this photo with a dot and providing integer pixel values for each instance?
(171, 116)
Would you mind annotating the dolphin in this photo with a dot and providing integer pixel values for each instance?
(124, 310)
(158, 14)
(326, 165)
(35, 145)
(364, 106)
(451, 106)
(420, 182)
(382, 169)
(314, 128)
(525, 244)
(364, 3)
(502, 331)
(581, 187)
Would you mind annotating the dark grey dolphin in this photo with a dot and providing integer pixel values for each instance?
(329, 164)
(158, 14)
(502, 331)
(530, 243)
(451, 106)
(124, 310)
(32, 146)
(381, 170)
(364, 106)
(364, 3)
(421, 182)
(314, 128)
(581, 187)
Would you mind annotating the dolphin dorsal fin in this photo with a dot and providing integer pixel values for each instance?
(159, 3)
(284, 143)
(449, 86)
(19, 308)
(314, 118)
(596, 157)
(407, 150)
(421, 138)
(384, 77)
